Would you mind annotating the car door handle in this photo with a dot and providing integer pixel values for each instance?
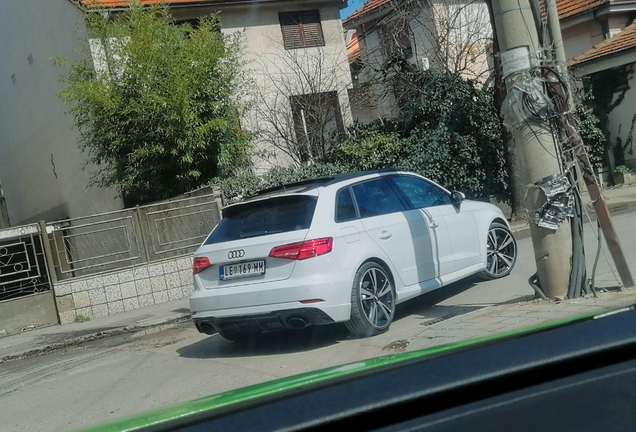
(385, 235)
(433, 224)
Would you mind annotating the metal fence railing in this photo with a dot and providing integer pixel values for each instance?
(96, 243)
(23, 265)
(114, 240)
(173, 228)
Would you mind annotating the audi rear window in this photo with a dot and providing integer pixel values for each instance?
(264, 217)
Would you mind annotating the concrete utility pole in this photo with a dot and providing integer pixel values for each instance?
(535, 152)
(593, 188)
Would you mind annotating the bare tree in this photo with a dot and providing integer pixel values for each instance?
(301, 102)
(462, 38)
(446, 35)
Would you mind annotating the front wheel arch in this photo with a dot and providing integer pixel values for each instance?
(382, 263)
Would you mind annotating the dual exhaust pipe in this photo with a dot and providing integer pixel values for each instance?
(295, 322)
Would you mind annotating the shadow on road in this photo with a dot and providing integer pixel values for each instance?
(311, 338)
(423, 305)
(268, 343)
(428, 306)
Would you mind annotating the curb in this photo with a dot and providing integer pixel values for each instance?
(136, 330)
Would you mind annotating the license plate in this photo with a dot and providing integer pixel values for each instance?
(239, 270)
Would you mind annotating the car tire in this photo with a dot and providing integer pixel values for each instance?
(236, 336)
(501, 251)
(372, 301)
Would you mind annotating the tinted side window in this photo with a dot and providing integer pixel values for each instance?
(259, 218)
(345, 209)
(421, 193)
(376, 197)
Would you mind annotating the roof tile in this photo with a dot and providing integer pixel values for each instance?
(568, 8)
(368, 6)
(123, 3)
(622, 41)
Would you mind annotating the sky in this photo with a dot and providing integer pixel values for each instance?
(353, 5)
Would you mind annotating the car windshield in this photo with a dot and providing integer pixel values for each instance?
(273, 215)
(204, 198)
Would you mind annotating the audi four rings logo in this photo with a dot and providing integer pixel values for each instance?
(236, 254)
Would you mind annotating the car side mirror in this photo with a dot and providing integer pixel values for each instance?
(457, 197)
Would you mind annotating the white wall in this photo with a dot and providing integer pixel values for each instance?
(464, 37)
(437, 33)
(40, 164)
(381, 102)
(424, 36)
(274, 66)
(616, 23)
(581, 37)
(269, 63)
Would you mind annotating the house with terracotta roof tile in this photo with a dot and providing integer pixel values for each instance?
(584, 23)
(446, 35)
(41, 167)
(600, 42)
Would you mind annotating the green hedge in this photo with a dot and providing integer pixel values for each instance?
(451, 134)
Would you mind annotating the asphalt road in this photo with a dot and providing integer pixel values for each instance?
(114, 377)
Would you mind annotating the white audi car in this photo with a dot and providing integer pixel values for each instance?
(346, 249)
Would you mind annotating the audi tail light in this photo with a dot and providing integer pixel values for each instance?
(199, 264)
(303, 250)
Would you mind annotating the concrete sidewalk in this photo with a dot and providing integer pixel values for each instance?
(518, 315)
(447, 329)
(485, 321)
(32, 342)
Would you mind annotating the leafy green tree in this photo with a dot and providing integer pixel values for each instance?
(450, 132)
(157, 102)
(367, 148)
(454, 134)
(594, 137)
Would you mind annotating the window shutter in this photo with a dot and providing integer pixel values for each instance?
(291, 29)
(291, 36)
(312, 30)
(301, 29)
(313, 35)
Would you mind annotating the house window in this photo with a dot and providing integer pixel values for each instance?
(356, 67)
(301, 29)
(396, 42)
(403, 45)
(316, 117)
